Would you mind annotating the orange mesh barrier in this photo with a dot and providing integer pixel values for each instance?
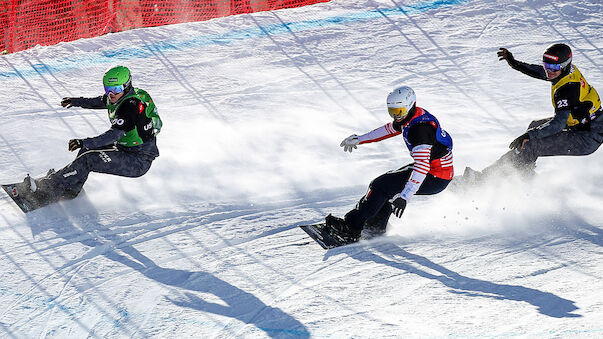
(26, 23)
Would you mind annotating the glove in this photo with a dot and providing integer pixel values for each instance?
(519, 142)
(504, 54)
(75, 144)
(66, 102)
(350, 143)
(398, 205)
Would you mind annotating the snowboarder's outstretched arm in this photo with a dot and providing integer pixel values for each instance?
(124, 121)
(94, 103)
(384, 132)
(535, 71)
(107, 138)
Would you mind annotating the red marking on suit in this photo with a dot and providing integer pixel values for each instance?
(421, 157)
(442, 167)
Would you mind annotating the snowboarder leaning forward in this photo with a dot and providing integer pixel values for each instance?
(431, 149)
(127, 149)
(576, 128)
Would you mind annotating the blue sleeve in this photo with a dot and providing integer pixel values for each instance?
(105, 139)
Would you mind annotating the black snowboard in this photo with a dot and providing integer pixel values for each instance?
(324, 237)
(23, 197)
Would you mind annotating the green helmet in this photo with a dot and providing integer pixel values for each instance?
(116, 77)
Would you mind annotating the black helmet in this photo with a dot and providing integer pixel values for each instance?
(557, 55)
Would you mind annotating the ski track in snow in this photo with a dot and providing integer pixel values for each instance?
(254, 107)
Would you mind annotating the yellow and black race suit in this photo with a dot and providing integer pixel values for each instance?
(576, 102)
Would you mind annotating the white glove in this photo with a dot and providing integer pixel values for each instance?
(350, 143)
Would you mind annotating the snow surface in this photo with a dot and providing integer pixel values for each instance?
(254, 108)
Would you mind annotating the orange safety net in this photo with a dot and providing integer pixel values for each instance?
(27, 23)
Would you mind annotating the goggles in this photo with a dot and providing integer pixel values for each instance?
(114, 89)
(397, 113)
(555, 67)
(551, 67)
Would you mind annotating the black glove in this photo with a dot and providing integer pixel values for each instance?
(518, 142)
(398, 205)
(504, 54)
(66, 102)
(75, 144)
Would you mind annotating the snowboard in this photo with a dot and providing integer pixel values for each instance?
(325, 237)
(23, 197)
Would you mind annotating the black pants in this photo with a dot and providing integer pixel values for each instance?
(68, 181)
(566, 142)
(374, 209)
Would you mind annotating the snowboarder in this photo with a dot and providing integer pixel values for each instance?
(431, 149)
(127, 149)
(575, 129)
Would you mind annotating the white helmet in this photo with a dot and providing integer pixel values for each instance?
(400, 102)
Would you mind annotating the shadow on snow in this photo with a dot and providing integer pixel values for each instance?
(240, 304)
(547, 303)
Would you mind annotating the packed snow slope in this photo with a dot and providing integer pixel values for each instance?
(206, 244)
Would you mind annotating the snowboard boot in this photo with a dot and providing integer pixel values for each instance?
(341, 228)
(49, 173)
(377, 225)
(69, 195)
(37, 190)
(372, 230)
(44, 181)
(29, 186)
